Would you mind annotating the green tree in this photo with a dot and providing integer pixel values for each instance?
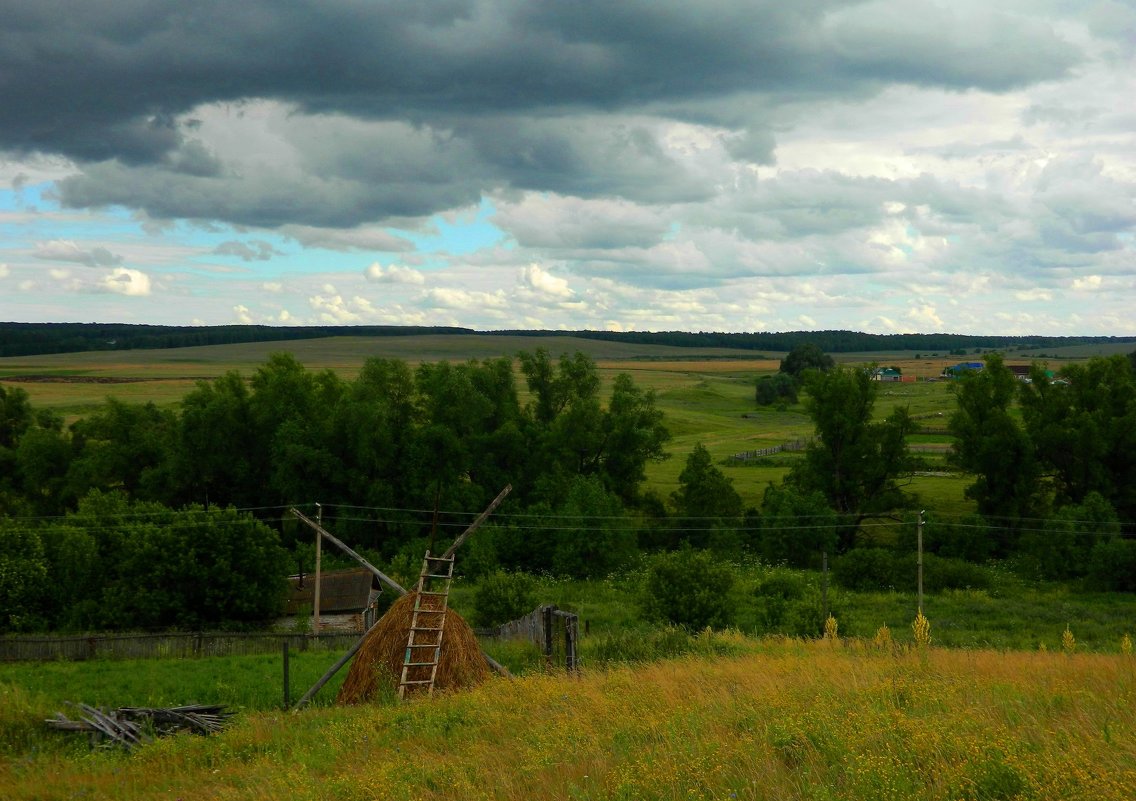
(571, 434)
(796, 527)
(220, 457)
(993, 446)
(594, 537)
(16, 415)
(1063, 546)
(1083, 429)
(778, 388)
(857, 464)
(23, 574)
(162, 568)
(706, 504)
(128, 447)
(689, 588)
(804, 357)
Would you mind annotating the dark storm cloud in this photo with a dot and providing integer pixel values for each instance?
(100, 78)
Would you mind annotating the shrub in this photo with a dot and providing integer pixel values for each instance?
(866, 569)
(502, 597)
(775, 594)
(689, 588)
(1112, 565)
(806, 616)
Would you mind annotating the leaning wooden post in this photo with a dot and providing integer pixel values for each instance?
(331, 671)
(383, 577)
(481, 518)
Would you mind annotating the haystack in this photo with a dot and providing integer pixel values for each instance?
(381, 656)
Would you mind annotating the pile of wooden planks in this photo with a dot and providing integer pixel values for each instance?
(132, 726)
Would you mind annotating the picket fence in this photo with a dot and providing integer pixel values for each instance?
(175, 645)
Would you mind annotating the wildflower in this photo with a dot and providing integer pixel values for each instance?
(830, 628)
(883, 637)
(921, 627)
(1126, 645)
(1068, 641)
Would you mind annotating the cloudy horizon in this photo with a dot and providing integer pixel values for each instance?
(886, 166)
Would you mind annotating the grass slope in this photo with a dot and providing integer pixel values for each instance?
(787, 720)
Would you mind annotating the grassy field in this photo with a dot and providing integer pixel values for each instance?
(706, 393)
(779, 720)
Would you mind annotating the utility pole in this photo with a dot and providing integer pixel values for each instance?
(824, 582)
(919, 558)
(319, 551)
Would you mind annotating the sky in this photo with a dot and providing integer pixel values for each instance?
(890, 166)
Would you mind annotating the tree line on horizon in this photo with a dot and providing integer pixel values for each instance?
(28, 339)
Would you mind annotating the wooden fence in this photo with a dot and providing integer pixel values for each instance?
(795, 445)
(541, 627)
(179, 645)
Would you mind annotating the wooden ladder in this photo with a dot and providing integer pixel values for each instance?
(424, 645)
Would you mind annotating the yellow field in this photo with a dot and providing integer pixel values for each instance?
(791, 720)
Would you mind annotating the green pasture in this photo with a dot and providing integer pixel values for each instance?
(707, 394)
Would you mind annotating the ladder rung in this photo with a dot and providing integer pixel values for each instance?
(424, 681)
(419, 664)
(440, 558)
(436, 575)
(431, 592)
(424, 645)
(427, 628)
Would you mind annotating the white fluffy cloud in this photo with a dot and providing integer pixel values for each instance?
(536, 277)
(124, 281)
(393, 274)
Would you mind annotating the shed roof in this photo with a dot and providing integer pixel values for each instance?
(350, 590)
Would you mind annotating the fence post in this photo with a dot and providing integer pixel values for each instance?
(571, 634)
(287, 678)
(546, 646)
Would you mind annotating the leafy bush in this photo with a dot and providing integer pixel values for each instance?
(665, 643)
(775, 594)
(868, 569)
(502, 597)
(689, 588)
(1112, 566)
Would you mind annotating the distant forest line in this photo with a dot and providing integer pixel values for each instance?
(29, 339)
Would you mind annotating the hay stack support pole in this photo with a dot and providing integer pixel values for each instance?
(380, 575)
(394, 585)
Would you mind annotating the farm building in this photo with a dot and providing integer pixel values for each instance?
(887, 374)
(957, 370)
(348, 599)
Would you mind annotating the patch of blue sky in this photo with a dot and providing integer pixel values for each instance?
(465, 233)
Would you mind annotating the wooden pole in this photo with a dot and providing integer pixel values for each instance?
(824, 582)
(383, 577)
(477, 523)
(316, 593)
(919, 559)
(287, 679)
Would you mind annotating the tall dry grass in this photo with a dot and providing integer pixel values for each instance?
(793, 721)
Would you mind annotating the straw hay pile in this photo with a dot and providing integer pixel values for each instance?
(380, 658)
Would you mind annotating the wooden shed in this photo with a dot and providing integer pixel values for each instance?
(347, 598)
